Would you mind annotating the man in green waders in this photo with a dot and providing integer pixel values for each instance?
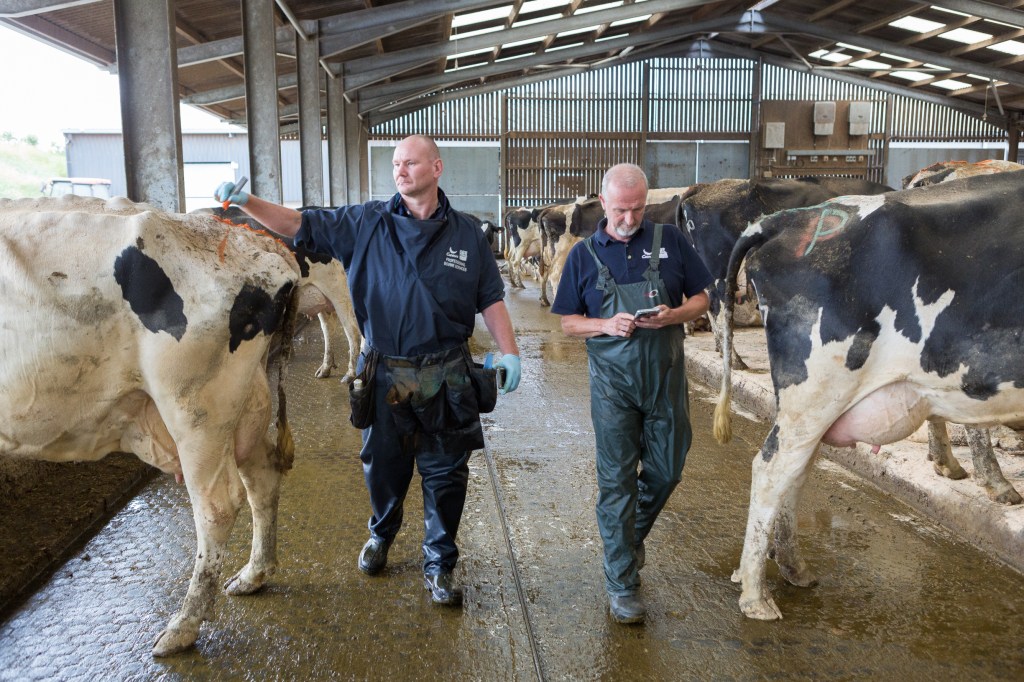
(627, 290)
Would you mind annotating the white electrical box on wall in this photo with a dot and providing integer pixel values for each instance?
(824, 118)
(860, 118)
(774, 135)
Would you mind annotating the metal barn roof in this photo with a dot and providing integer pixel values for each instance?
(396, 56)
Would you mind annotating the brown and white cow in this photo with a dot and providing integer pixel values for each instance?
(957, 170)
(879, 314)
(129, 329)
(328, 296)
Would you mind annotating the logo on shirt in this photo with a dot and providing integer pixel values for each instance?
(456, 259)
(662, 254)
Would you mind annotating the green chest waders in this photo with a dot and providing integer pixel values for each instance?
(640, 409)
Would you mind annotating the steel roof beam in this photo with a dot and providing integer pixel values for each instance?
(375, 96)
(568, 70)
(340, 25)
(980, 9)
(355, 70)
(13, 9)
(775, 23)
(962, 106)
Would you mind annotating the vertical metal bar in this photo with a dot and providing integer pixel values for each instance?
(337, 160)
(754, 153)
(259, 46)
(148, 76)
(307, 53)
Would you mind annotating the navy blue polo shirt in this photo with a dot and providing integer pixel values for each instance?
(416, 285)
(682, 270)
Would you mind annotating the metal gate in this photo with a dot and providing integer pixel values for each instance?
(544, 168)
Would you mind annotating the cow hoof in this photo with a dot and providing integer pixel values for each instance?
(176, 638)
(800, 577)
(544, 303)
(246, 581)
(323, 372)
(348, 378)
(760, 609)
(949, 472)
(1008, 497)
(736, 576)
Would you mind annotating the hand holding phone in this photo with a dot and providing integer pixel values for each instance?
(646, 312)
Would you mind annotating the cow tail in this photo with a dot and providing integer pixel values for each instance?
(285, 442)
(723, 410)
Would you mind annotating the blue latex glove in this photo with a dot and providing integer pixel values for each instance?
(512, 372)
(226, 192)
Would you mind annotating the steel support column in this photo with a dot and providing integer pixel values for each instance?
(150, 119)
(337, 159)
(310, 130)
(356, 158)
(261, 98)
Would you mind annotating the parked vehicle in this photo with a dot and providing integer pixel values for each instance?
(86, 187)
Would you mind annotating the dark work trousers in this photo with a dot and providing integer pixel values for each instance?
(640, 409)
(388, 459)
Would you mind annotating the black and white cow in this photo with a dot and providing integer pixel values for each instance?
(328, 294)
(129, 329)
(714, 214)
(523, 242)
(879, 314)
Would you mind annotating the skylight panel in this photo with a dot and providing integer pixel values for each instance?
(620, 22)
(951, 84)
(910, 75)
(563, 47)
(466, 54)
(597, 8)
(541, 5)
(896, 58)
(916, 24)
(853, 47)
(527, 22)
(1014, 47)
(469, 34)
(482, 16)
(831, 56)
(577, 30)
(521, 42)
(965, 36)
(951, 11)
(870, 64)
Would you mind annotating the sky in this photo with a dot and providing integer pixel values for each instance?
(46, 90)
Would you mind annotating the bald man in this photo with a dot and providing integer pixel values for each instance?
(628, 289)
(419, 272)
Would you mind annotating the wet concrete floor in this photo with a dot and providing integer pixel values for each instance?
(899, 597)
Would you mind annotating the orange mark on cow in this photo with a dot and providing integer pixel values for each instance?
(223, 243)
(821, 226)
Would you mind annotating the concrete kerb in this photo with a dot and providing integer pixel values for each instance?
(900, 469)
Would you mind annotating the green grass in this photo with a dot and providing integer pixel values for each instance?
(25, 167)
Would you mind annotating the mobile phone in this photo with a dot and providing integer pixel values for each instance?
(646, 312)
(499, 375)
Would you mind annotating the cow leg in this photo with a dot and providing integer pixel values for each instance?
(216, 492)
(776, 475)
(986, 468)
(940, 453)
(785, 550)
(355, 341)
(260, 466)
(718, 327)
(544, 275)
(324, 370)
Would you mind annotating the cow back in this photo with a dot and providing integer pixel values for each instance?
(119, 297)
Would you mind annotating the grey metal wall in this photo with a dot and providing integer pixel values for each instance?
(680, 99)
(101, 155)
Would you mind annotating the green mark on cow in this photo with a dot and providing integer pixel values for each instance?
(821, 231)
